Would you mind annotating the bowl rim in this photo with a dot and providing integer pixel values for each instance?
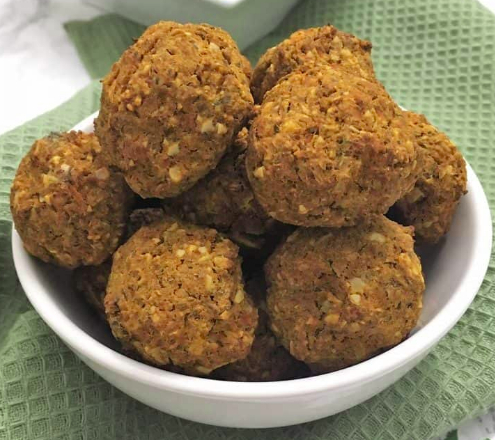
(364, 372)
(227, 4)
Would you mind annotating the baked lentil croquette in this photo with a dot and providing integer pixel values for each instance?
(329, 149)
(172, 105)
(307, 48)
(225, 201)
(268, 360)
(339, 296)
(142, 217)
(91, 281)
(176, 297)
(431, 204)
(69, 207)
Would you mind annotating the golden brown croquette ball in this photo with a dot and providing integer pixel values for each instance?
(68, 206)
(91, 281)
(143, 217)
(225, 201)
(307, 48)
(268, 360)
(339, 296)
(172, 105)
(176, 296)
(431, 204)
(329, 149)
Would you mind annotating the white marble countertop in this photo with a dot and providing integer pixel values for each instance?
(39, 69)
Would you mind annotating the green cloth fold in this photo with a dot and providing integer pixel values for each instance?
(437, 58)
(101, 41)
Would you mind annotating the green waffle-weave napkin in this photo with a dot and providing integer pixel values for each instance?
(434, 57)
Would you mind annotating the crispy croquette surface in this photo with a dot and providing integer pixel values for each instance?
(339, 296)
(172, 105)
(69, 207)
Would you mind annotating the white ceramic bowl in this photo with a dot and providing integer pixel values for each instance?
(246, 20)
(454, 271)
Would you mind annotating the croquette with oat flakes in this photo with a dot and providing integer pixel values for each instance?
(69, 207)
(176, 297)
(91, 281)
(337, 297)
(268, 360)
(307, 48)
(142, 217)
(225, 201)
(329, 149)
(431, 204)
(171, 106)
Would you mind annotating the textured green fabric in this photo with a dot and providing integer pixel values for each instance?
(101, 41)
(434, 57)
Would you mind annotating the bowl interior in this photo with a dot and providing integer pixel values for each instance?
(454, 270)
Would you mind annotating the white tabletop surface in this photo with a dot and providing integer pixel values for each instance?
(39, 69)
